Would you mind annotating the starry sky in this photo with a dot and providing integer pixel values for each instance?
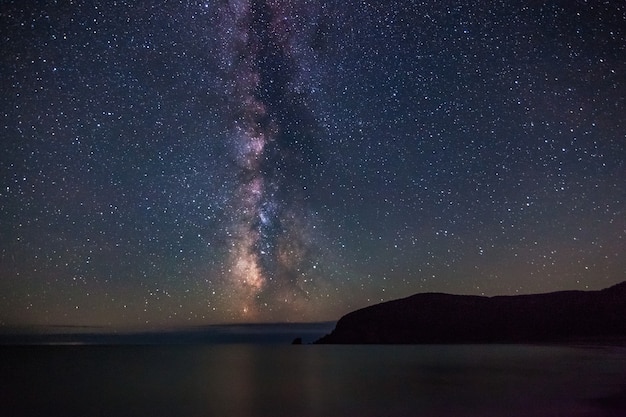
(184, 162)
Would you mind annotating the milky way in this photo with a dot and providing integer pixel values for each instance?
(265, 53)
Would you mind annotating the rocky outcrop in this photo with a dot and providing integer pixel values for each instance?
(559, 317)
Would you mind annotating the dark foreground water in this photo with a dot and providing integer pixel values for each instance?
(270, 380)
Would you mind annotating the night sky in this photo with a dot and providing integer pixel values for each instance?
(169, 163)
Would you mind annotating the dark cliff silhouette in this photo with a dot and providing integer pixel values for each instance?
(558, 317)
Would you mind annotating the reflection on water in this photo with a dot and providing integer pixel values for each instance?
(252, 380)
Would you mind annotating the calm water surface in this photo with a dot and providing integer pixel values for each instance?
(254, 380)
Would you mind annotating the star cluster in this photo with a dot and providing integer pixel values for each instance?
(167, 163)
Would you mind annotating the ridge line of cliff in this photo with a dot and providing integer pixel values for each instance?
(556, 317)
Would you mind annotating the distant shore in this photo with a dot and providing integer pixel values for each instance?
(593, 318)
(255, 333)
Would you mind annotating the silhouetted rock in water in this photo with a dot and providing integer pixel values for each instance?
(559, 317)
(297, 341)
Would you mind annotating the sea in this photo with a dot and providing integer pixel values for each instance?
(200, 378)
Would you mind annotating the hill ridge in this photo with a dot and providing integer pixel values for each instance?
(571, 316)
